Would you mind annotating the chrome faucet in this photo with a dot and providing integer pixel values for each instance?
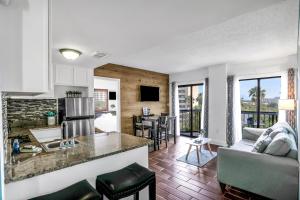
(68, 142)
(62, 144)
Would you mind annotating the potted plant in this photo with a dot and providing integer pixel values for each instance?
(51, 118)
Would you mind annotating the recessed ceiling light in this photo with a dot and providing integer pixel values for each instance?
(70, 54)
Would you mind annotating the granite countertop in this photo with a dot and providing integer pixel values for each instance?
(91, 147)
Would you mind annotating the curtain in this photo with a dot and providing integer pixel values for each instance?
(206, 107)
(291, 116)
(175, 105)
(233, 125)
(237, 118)
(283, 95)
(229, 124)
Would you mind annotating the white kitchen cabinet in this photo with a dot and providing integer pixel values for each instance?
(24, 51)
(68, 75)
(81, 76)
(64, 75)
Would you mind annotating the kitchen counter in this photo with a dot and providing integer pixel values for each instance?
(92, 147)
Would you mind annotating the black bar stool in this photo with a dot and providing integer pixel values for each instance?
(126, 182)
(77, 191)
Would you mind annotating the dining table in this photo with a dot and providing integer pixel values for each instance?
(154, 120)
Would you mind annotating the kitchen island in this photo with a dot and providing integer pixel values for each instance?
(30, 175)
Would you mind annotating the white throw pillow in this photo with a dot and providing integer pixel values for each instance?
(280, 145)
(261, 143)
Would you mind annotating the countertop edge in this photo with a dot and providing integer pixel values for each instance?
(7, 181)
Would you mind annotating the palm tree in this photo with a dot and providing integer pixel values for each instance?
(253, 93)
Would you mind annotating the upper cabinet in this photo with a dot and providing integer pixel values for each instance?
(64, 75)
(24, 51)
(81, 76)
(68, 75)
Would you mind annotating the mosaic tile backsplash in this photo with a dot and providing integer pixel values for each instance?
(4, 123)
(26, 113)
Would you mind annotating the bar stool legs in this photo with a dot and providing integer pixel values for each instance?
(136, 196)
(152, 190)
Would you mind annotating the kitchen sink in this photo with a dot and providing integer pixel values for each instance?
(46, 134)
(55, 145)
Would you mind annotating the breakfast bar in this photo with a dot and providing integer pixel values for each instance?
(94, 154)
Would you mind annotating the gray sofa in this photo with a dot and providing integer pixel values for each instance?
(275, 177)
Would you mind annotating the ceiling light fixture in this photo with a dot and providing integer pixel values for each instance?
(70, 54)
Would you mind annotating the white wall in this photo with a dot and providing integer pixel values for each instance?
(218, 85)
(189, 77)
(217, 103)
(263, 68)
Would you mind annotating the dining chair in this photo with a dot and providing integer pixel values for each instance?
(139, 124)
(163, 129)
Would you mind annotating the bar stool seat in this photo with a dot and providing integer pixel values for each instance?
(78, 191)
(126, 182)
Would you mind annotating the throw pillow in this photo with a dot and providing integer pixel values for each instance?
(280, 145)
(261, 144)
(268, 131)
(277, 131)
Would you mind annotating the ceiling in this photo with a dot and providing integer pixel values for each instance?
(174, 35)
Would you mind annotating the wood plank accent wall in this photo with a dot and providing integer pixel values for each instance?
(130, 80)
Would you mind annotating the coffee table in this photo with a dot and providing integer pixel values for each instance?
(198, 147)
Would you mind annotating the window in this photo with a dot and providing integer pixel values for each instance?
(101, 100)
(190, 104)
(259, 101)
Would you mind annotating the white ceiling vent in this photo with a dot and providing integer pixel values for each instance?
(98, 54)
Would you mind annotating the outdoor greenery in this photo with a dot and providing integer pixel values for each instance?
(265, 106)
(185, 116)
(185, 125)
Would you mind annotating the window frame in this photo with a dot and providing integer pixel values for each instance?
(258, 94)
(106, 107)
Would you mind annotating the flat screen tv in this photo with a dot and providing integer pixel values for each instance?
(149, 93)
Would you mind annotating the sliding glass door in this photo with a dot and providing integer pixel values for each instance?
(190, 107)
(259, 101)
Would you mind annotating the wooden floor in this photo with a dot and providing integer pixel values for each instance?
(177, 180)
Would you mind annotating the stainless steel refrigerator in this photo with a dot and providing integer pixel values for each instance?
(79, 114)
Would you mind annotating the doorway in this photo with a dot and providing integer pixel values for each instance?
(107, 104)
(190, 109)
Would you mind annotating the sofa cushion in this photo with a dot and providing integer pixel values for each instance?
(280, 145)
(243, 145)
(293, 153)
(252, 133)
(261, 144)
(247, 142)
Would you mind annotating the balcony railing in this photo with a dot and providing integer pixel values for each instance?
(267, 119)
(186, 119)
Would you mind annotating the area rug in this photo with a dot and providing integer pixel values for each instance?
(205, 157)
